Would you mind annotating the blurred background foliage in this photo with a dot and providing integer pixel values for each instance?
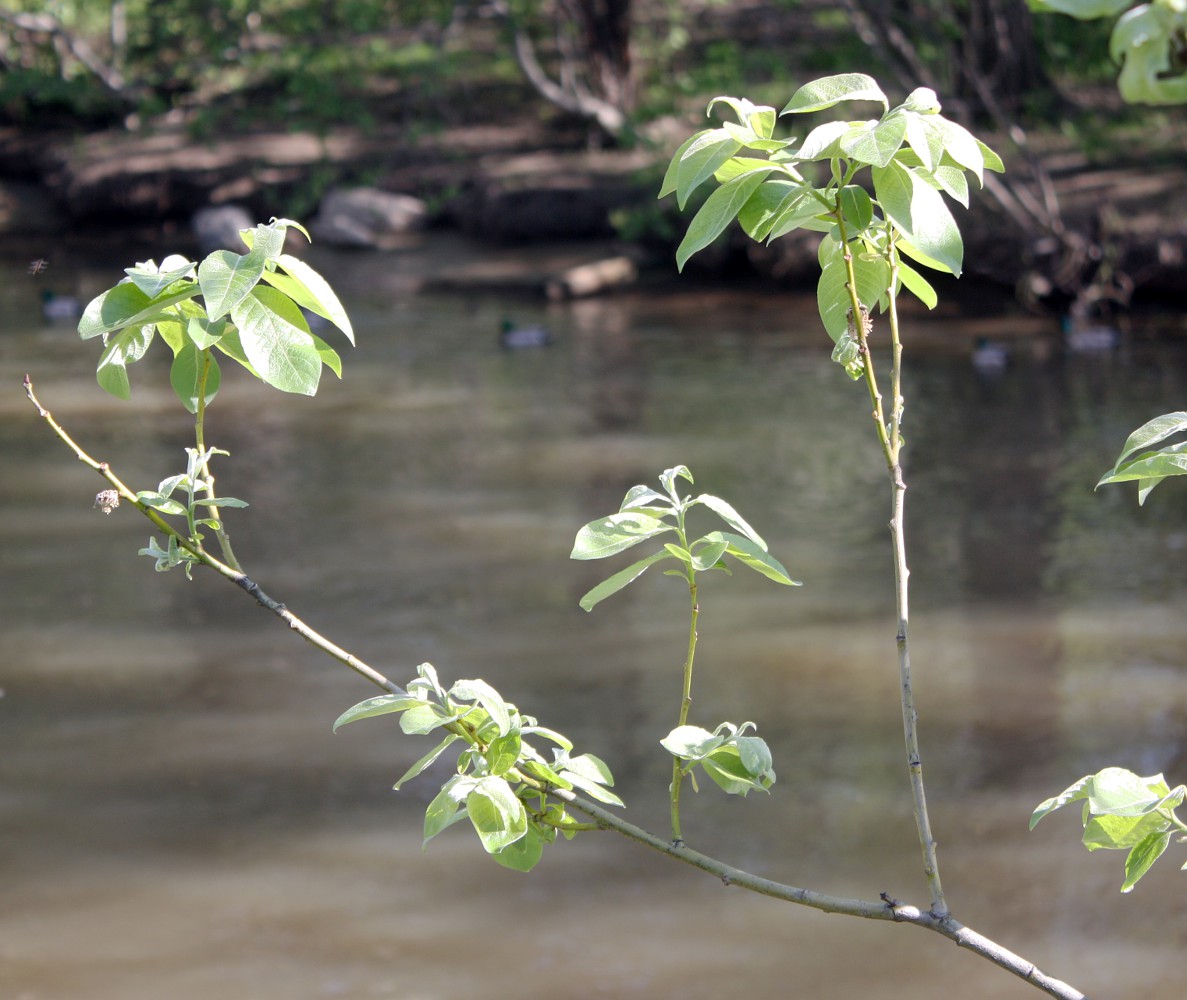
(231, 65)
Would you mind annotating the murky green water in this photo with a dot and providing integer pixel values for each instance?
(178, 820)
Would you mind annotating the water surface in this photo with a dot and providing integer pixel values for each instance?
(179, 821)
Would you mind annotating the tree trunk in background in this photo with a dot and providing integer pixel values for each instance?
(591, 74)
(981, 53)
(999, 48)
(605, 28)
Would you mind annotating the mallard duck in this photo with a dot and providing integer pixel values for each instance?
(990, 358)
(517, 338)
(59, 308)
(1087, 338)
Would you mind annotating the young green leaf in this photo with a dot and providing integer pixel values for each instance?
(479, 691)
(226, 278)
(824, 141)
(277, 341)
(503, 752)
(875, 143)
(426, 760)
(719, 211)
(831, 90)
(1153, 431)
(919, 213)
(1085, 10)
(692, 742)
(523, 854)
(445, 809)
(185, 375)
(383, 704)
(701, 160)
(307, 288)
(613, 584)
(638, 497)
(609, 535)
(126, 305)
(122, 349)
(153, 280)
(708, 555)
(425, 717)
(856, 207)
(669, 181)
(498, 816)
(917, 285)
(725, 767)
(726, 512)
(754, 557)
(1142, 856)
(162, 503)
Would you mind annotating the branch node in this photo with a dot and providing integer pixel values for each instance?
(725, 879)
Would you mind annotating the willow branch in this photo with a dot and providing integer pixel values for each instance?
(891, 441)
(885, 908)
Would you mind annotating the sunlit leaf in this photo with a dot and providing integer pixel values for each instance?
(227, 278)
(383, 704)
(719, 210)
(122, 349)
(876, 143)
(502, 754)
(498, 816)
(609, 535)
(701, 159)
(523, 854)
(1142, 856)
(480, 691)
(276, 340)
(918, 285)
(613, 584)
(185, 375)
(754, 557)
(726, 512)
(1085, 10)
(918, 211)
(153, 280)
(308, 289)
(126, 305)
(426, 760)
(1153, 431)
(830, 90)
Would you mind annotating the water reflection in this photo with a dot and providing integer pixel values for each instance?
(179, 821)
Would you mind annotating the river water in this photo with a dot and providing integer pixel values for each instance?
(178, 820)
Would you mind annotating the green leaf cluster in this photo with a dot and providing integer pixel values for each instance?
(1148, 468)
(1124, 812)
(1148, 42)
(197, 489)
(907, 159)
(247, 307)
(736, 762)
(913, 153)
(501, 782)
(646, 513)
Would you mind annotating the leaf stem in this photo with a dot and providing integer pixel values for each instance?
(224, 540)
(678, 772)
